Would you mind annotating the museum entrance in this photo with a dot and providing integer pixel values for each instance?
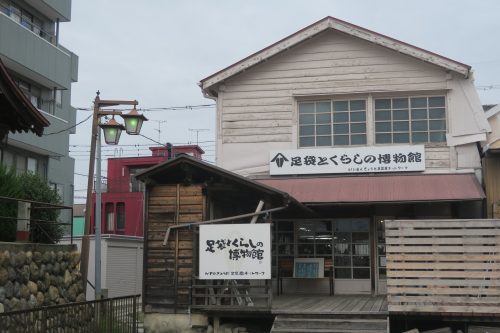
(324, 256)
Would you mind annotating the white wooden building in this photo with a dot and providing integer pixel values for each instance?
(334, 89)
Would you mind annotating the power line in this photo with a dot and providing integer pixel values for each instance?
(490, 87)
(164, 108)
(68, 128)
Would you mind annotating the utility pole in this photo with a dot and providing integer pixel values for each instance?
(198, 130)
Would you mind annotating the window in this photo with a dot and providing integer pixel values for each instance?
(332, 123)
(410, 120)
(58, 97)
(134, 184)
(31, 165)
(110, 216)
(314, 239)
(33, 92)
(120, 216)
(8, 159)
(351, 249)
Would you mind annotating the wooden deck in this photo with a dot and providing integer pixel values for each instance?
(332, 305)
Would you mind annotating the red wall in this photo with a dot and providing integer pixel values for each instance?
(118, 188)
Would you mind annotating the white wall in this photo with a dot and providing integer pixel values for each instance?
(121, 264)
(256, 110)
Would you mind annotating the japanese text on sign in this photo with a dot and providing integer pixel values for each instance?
(348, 160)
(235, 251)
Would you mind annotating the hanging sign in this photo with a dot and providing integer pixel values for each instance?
(235, 251)
(347, 160)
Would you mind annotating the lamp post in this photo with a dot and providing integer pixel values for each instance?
(112, 130)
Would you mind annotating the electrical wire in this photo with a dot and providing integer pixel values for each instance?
(68, 128)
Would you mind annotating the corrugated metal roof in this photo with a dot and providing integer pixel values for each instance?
(380, 188)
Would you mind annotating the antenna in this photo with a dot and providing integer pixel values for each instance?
(198, 130)
(159, 128)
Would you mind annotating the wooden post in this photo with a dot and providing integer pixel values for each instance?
(217, 325)
(23, 221)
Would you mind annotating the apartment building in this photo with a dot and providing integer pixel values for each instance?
(44, 70)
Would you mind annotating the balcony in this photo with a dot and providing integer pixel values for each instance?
(30, 53)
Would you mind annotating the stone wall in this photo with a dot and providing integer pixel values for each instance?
(34, 275)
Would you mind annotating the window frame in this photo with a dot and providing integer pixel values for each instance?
(410, 119)
(334, 135)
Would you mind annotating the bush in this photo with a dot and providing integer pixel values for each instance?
(9, 187)
(29, 186)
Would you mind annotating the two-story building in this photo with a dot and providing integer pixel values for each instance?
(338, 130)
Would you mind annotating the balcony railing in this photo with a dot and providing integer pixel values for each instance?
(17, 16)
(231, 294)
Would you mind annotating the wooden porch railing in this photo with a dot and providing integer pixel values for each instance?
(443, 266)
(231, 294)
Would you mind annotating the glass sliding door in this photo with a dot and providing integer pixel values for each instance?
(351, 248)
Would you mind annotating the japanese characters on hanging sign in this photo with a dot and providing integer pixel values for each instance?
(347, 160)
(235, 251)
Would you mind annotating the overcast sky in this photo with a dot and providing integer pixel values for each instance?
(156, 51)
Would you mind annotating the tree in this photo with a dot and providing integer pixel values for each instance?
(9, 187)
(29, 186)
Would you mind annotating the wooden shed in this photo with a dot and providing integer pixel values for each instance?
(185, 191)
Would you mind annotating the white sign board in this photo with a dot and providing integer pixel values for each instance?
(235, 251)
(347, 160)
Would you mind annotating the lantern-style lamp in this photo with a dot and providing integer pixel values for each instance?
(133, 121)
(112, 131)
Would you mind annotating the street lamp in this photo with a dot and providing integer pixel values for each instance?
(133, 121)
(112, 130)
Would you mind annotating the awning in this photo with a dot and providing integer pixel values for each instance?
(380, 188)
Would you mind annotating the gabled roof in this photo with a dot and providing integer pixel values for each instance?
(493, 110)
(174, 171)
(185, 167)
(338, 25)
(16, 110)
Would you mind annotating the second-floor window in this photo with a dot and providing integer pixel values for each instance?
(33, 92)
(410, 120)
(332, 123)
(110, 216)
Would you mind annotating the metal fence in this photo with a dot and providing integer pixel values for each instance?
(111, 315)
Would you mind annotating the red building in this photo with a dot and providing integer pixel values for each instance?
(122, 201)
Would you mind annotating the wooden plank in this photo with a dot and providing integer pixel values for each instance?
(162, 190)
(443, 274)
(444, 282)
(409, 232)
(260, 138)
(443, 241)
(482, 329)
(442, 299)
(448, 249)
(469, 257)
(442, 290)
(466, 266)
(463, 310)
(443, 224)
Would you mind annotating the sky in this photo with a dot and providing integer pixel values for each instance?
(156, 51)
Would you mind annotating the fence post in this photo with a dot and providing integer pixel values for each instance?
(44, 321)
(134, 316)
(23, 221)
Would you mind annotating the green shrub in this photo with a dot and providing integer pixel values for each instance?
(9, 187)
(28, 186)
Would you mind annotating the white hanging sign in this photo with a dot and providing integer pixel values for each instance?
(235, 251)
(347, 160)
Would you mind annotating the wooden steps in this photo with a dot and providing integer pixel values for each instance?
(328, 324)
